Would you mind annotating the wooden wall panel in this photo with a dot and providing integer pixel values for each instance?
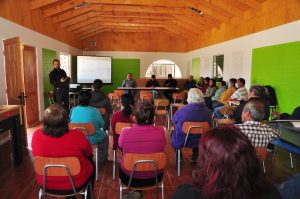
(273, 13)
(20, 13)
(141, 42)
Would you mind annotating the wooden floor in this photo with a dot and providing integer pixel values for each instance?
(20, 182)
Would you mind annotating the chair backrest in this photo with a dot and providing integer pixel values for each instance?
(121, 125)
(161, 102)
(71, 162)
(119, 93)
(195, 127)
(227, 110)
(130, 159)
(177, 96)
(145, 95)
(261, 152)
(86, 128)
(102, 111)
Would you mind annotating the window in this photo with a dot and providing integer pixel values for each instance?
(65, 63)
(161, 68)
(218, 66)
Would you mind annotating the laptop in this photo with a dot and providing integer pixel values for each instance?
(74, 87)
(289, 133)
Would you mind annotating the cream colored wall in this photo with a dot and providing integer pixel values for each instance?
(28, 37)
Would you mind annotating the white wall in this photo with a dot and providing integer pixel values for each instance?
(31, 38)
(146, 58)
(238, 52)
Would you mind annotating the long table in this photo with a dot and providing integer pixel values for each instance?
(148, 88)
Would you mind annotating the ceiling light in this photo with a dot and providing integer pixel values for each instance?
(81, 5)
(196, 10)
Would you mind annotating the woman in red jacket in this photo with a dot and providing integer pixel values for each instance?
(55, 139)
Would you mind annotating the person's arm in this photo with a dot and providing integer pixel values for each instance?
(124, 83)
(53, 79)
(122, 138)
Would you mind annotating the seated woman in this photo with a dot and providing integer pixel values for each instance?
(227, 168)
(144, 138)
(55, 139)
(84, 113)
(124, 116)
(195, 111)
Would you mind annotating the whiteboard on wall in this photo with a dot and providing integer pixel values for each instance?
(90, 68)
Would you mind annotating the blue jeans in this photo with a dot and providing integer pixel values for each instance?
(217, 112)
(290, 188)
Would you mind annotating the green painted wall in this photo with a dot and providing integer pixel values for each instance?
(279, 66)
(196, 68)
(120, 68)
(47, 58)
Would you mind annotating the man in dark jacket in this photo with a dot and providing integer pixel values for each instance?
(170, 82)
(60, 81)
(257, 93)
(100, 100)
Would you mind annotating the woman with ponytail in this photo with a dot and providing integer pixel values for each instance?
(124, 115)
(143, 138)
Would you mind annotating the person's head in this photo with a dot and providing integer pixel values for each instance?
(129, 76)
(201, 80)
(84, 98)
(253, 111)
(257, 91)
(232, 82)
(55, 121)
(170, 76)
(190, 78)
(241, 82)
(153, 77)
(56, 63)
(127, 103)
(212, 82)
(228, 166)
(97, 84)
(206, 80)
(195, 96)
(144, 114)
(222, 83)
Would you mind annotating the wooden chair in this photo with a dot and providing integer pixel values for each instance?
(146, 96)
(88, 130)
(178, 97)
(119, 127)
(261, 152)
(144, 163)
(161, 109)
(51, 97)
(191, 128)
(223, 121)
(227, 111)
(58, 167)
(102, 111)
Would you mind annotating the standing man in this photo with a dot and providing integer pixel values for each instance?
(60, 81)
(130, 83)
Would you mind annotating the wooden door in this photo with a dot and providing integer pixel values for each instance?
(31, 88)
(15, 89)
(13, 51)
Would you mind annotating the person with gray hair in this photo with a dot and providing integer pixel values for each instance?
(194, 111)
(259, 134)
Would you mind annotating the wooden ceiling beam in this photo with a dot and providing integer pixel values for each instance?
(77, 19)
(125, 20)
(73, 13)
(192, 23)
(41, 3)
(227, 5)
(252, 4)
(181, 31)
(210, 10)
(66, 5)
